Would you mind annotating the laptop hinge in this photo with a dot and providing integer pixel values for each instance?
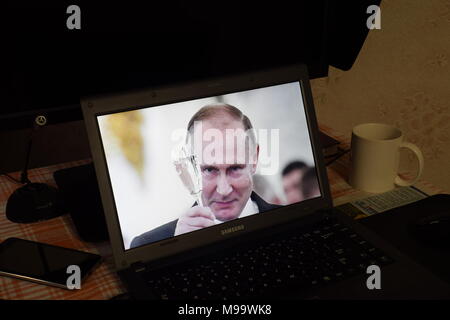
(138, 267)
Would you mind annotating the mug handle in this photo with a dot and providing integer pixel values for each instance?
(403, 183)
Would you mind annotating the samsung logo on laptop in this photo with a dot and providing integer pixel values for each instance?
(232, 229)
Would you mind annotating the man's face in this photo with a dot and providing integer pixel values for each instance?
(227, 176)
(291, 185)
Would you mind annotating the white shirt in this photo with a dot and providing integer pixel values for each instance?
(249, 209)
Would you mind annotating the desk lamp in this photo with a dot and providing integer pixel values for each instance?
(33, 201)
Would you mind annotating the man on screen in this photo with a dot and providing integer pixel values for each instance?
(226, 173)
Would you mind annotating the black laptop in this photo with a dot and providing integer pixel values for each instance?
(197, 205)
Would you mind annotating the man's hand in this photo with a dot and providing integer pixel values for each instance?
(194, 219)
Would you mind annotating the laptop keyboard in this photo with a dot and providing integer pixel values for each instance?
(324, 253)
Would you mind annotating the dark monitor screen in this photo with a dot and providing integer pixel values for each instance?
(120, 47)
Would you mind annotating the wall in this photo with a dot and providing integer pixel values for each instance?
(401, 77)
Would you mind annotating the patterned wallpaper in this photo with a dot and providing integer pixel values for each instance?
(401, 77)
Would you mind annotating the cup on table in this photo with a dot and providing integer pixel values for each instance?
(375, 157)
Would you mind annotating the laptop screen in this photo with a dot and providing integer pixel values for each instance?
(182, 167)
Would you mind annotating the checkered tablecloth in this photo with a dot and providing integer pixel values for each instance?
(104, 283)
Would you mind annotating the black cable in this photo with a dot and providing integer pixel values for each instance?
(12, 178)
(24, 175)
(337, 157)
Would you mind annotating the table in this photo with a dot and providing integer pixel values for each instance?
(104, 283)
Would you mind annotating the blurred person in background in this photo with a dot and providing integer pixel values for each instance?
(309, 184)
(292, 176)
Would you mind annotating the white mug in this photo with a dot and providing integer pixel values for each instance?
(375, 157)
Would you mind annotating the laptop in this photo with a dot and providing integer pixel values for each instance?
(217, 189)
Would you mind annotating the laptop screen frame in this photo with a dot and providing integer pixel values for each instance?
(100, 105)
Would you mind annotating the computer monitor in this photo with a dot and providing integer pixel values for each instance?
(120, 47)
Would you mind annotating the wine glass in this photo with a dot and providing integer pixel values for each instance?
(188, 169)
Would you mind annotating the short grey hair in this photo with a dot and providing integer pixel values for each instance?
(208, 111)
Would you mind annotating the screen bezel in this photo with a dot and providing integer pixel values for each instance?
(101, 105)
(89, 263)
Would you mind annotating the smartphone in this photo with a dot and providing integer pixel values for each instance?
(43, 263)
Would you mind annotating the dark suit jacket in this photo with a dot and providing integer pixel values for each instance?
(167, 230)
